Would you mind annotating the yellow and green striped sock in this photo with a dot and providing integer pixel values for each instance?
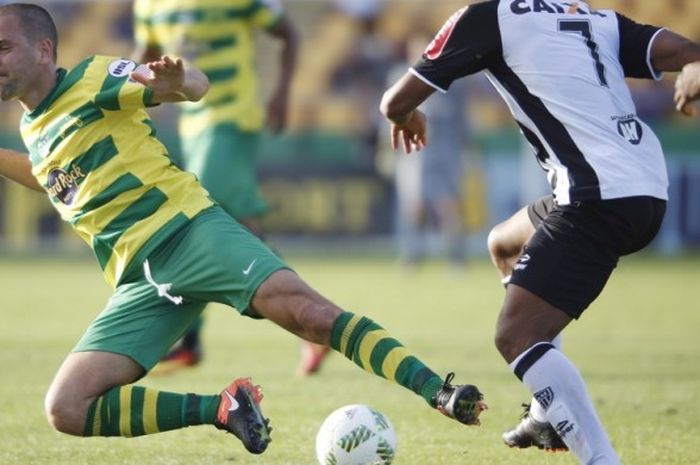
(372, 348)
(134, 411)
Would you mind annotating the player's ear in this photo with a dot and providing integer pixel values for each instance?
(46, 50)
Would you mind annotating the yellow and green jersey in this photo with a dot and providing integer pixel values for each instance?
(217, 37)
(92, 147)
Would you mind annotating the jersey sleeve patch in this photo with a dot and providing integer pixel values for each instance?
(468, 42)
(436, 47)
(118, 91)
(121, 68)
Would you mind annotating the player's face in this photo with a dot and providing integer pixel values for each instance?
(18, 59)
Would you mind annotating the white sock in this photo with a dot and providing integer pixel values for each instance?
(560, 390)
(536, 410)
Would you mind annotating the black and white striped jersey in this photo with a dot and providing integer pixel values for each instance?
(561, 67)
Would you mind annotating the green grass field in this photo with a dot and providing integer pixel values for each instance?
(638, 348)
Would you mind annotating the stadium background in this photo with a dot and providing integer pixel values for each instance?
(332, 192)
(329, 177)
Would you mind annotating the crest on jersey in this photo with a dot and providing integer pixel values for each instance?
(435, 47)
(121, 68)
(630, 129)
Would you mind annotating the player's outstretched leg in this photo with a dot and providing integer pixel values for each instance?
(372, 348)
(286, 300)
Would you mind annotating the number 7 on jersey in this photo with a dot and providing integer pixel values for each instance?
(578, 26)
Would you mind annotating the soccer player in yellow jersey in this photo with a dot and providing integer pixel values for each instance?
(220, 134)
(165, 247)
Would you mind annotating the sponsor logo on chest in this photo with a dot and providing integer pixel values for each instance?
(629, 128)
(63, 185)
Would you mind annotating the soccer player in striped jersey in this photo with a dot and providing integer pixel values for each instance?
(561, 68)
(220, 134)
(165, 247)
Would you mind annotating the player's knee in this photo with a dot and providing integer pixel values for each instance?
(497, 246)
(63, 415)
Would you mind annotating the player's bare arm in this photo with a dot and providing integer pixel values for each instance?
(400, 106)
(673, 52)
(277, 107)
(17, 167)
(172, 81)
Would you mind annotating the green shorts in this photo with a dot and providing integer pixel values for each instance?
(212, 259)
(223, 157)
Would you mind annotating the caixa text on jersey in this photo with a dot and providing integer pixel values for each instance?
(521, 7)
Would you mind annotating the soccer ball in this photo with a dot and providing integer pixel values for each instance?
(356, 435)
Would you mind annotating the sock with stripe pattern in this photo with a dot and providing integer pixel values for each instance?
(134, 411)
(371, 347)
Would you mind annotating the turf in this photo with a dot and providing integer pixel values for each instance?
(637, 347)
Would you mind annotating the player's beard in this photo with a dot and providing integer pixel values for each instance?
(8, 90)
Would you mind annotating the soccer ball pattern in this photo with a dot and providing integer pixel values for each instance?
(356, 435)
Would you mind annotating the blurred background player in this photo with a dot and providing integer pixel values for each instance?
(430, 187)
(220, 136)
(443, 171)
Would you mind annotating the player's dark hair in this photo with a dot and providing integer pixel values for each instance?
(36, 23)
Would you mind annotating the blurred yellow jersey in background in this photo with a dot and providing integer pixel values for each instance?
(216, 36)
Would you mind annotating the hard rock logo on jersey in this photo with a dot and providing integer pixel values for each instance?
(63, 184)
(630, 129)
(435, 47)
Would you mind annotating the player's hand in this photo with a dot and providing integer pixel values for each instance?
(277, 113)
(166, 76)
(412, 135)
(687, 89)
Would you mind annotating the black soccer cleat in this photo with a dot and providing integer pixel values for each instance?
(463, 402)
(239, 413)
(530, 432)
